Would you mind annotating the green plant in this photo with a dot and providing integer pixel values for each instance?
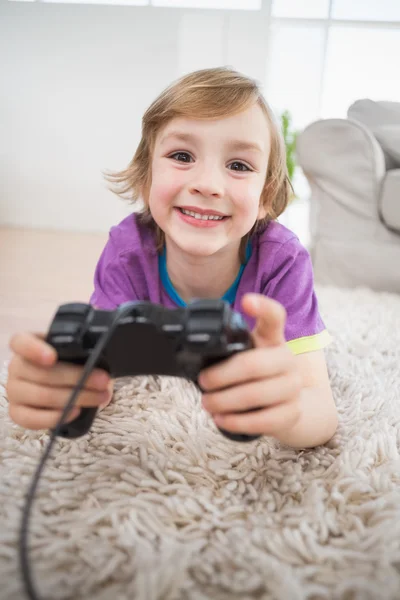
(290, 138)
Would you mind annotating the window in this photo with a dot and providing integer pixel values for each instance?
(221, 4)
(226, 4)
(360, 63)
(372, 10)
(304, 9)
(318, 68)
(356, 10)
(115, 2)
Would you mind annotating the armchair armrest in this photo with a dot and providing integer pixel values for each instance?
(342, 159)
(389, 201)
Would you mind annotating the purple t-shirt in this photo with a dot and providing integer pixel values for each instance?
(279, 267)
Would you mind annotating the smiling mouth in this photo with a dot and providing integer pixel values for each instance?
(202, 216)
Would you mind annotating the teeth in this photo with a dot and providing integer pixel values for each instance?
(202, 217)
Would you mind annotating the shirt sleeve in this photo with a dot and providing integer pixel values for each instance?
(112, 286)
(291, 283)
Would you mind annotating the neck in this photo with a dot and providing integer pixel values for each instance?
(202, 277)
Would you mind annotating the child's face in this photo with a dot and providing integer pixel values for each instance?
(209, 167)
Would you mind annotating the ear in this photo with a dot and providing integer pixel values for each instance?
(145, 191)
(262, 212)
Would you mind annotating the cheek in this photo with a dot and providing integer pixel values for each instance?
(248, 197)
(164, 187)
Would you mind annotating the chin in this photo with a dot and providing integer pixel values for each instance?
(198, 250)
(196, 247)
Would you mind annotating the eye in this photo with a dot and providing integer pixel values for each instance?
(181, 157)
(239, 166)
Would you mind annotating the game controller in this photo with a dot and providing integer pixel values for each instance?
(148, 339)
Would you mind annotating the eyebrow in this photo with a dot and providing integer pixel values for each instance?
(243, 145)
(233, 144)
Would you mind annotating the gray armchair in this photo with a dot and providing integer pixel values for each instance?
(353, 168)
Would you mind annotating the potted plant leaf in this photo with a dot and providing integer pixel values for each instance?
(290, 137)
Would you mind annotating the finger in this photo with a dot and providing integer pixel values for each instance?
(270, 319)
(61, 374)
(269, 421)
(32, 347)
(105, 404)
(30, 394)
(256, 394)
(259, 363)
(34, 418)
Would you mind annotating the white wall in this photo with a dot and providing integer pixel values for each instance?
(75, 80)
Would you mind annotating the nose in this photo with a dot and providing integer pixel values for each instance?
(207, 181)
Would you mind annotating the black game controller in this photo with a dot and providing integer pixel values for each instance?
(148, 339)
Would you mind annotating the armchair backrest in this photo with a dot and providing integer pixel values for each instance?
(383, 120)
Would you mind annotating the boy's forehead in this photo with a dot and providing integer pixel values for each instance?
(250, 126)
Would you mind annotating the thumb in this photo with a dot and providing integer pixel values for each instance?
(270, 318)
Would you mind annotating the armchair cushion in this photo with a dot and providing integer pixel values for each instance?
(378, 115)
(389, 202)
(389, 138)
(373, 114)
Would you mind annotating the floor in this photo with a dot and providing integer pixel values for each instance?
(38, 271)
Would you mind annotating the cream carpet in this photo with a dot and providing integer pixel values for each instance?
(154, 504)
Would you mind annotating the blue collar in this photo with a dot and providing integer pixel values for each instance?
(229, 295)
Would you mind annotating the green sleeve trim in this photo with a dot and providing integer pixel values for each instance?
(310, 343)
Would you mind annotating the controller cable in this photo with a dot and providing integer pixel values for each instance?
(120, 313)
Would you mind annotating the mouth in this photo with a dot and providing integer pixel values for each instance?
(202, 215)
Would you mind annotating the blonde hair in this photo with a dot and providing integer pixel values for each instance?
(205, 94)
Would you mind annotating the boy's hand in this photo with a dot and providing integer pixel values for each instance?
(265, 377)
(39, 387)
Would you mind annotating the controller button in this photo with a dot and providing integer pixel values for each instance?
(141, 319)
(235, 347)
(133, 319)
(98, 329)
(198, 337)
(75, 309)
(62, 339)
(172, 328)
(60, 327)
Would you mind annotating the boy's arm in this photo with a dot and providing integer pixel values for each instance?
(318, 415)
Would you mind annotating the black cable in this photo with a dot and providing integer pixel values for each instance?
(88, 367)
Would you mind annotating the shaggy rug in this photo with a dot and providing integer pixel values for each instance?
(154, 504)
